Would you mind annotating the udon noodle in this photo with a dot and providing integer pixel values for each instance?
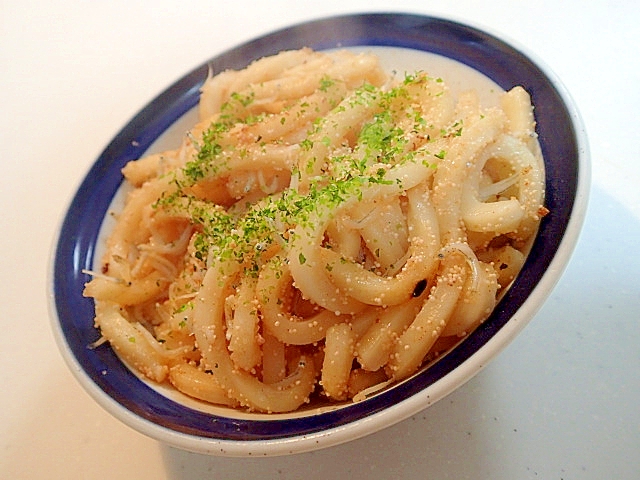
(325, 230)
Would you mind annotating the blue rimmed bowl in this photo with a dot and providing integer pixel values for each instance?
(167, 416)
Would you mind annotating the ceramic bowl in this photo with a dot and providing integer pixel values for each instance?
(168, 417)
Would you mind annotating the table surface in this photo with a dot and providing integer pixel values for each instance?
(560, 402)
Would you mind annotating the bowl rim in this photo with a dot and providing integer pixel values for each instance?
(416, 401)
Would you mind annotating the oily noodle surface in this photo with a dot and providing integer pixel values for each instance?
(322, 232)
